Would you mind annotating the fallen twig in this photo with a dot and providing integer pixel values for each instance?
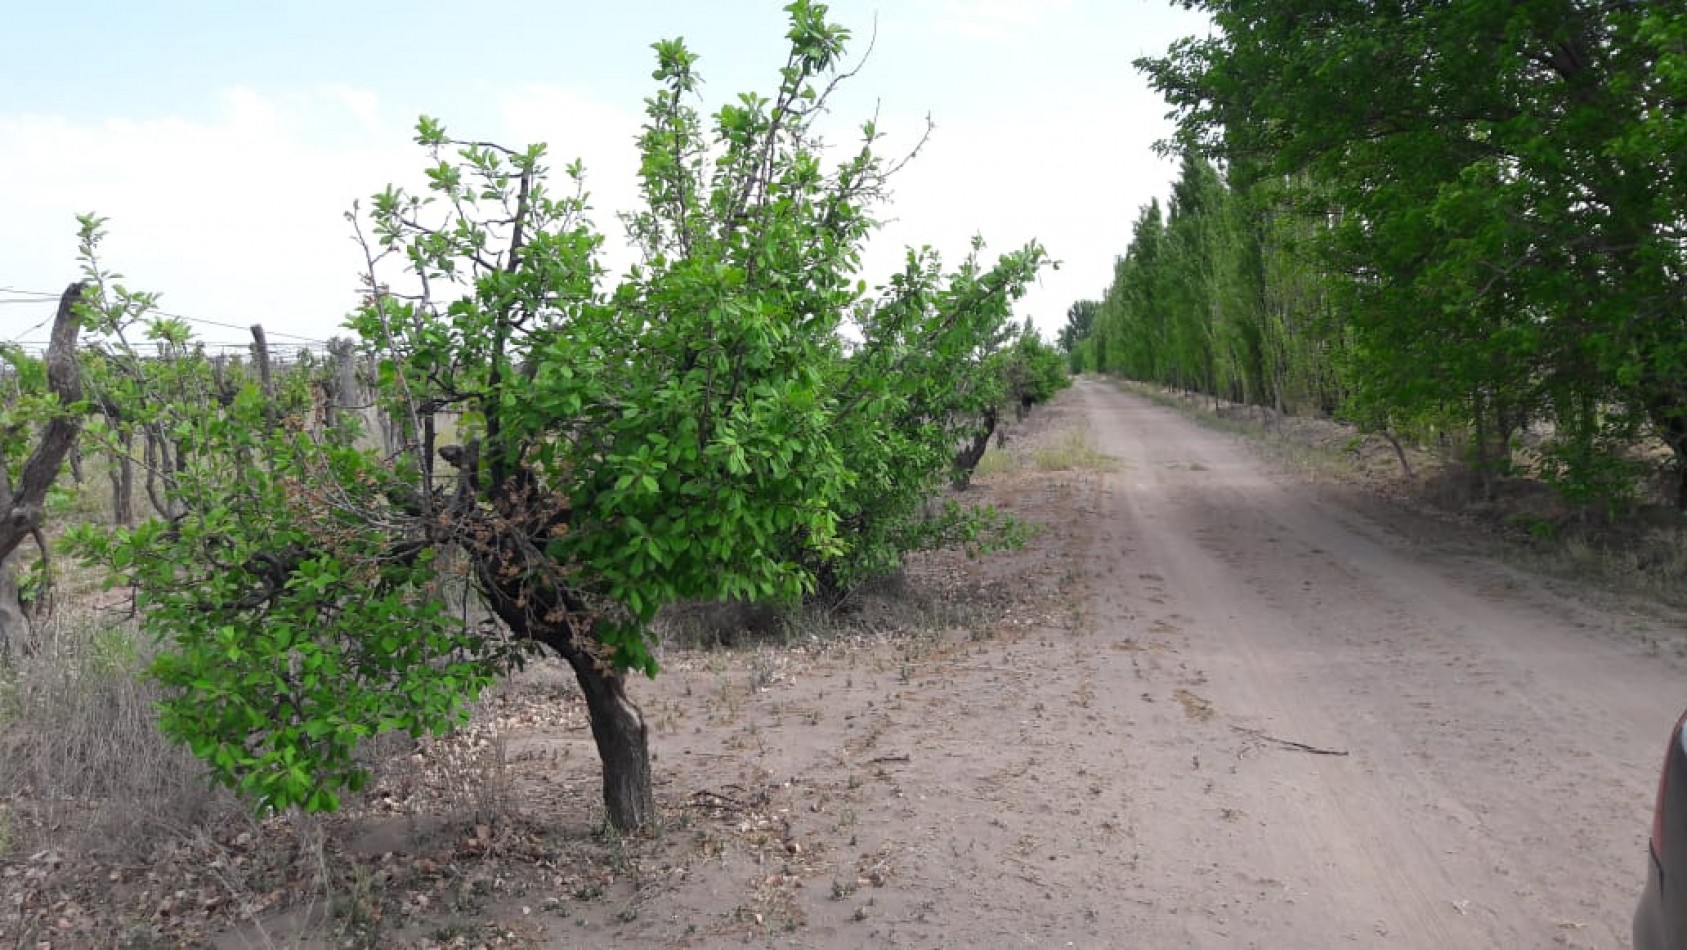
(897, 757)
(1288, 743)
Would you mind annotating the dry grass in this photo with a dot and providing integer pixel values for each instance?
(110, 834)
(85, 765)
(1652, 563)
(997, 462)
(1071, 451)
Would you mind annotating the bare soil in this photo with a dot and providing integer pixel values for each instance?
(1500, 739)
(1208, 705)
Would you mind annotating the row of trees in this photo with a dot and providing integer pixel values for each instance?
(1433, 218)
(115, 356)
(739, 417)
(1216, 294)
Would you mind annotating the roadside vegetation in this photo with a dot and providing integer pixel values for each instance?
(1459, 229)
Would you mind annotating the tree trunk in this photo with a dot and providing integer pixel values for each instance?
(14, 625)
(122, 474)
(623, 739)
(395, 432)
(21, 509)
(266, 378)
(966, 460)
(347, 402)
(155, 448)
(623, 745)
(1400, 453)
(530, 594)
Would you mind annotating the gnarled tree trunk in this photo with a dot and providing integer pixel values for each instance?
(966, 460)
(623, 744)
(524, 604)
(123, 480)
(21, 509)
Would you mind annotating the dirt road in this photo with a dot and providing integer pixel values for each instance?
(1501, 743)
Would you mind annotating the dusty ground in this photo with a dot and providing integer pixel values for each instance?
(1502, 741)
(1209, 706)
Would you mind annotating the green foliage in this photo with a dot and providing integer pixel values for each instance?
(1214, 295)
(351, 644)
(293, 629)
(1589, 467)
(930, 374)
(1075, 338)
(39, 408)
(1497, 203)
(1033, 371)
(25, 403)
(702, 429)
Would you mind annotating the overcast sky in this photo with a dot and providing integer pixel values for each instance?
(226, 140)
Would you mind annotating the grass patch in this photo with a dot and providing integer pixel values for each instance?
(85, 764)
(1071, 452)
(1652, 564)
(998, 462)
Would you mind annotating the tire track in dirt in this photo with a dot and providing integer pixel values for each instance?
(1502, 741)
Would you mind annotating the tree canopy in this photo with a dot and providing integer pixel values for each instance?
(1474, 215)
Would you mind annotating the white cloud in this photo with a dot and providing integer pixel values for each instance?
(240, 217)
(237, 218)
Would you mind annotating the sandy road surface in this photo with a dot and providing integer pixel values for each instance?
(1502, 742)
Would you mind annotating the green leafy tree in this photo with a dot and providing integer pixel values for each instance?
(1033, 370)
(927, 378)
(1191, 304)
(700, 430)
(1076, 335)
(1504, 197)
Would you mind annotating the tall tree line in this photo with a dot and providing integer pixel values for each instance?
(1455, 219)
(1217, 293)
